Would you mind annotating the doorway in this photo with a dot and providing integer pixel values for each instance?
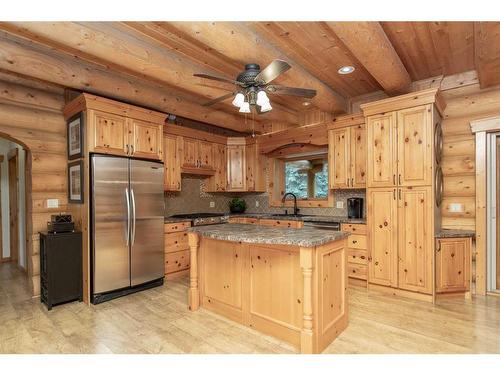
(13, 157)
(493, 213)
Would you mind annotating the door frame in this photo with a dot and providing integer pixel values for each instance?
(13, 156)
(2, 259)
(480, 128)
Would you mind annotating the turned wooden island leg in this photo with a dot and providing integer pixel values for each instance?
(194, 293)
(307, 339)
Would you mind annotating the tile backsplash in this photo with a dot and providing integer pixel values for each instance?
(193, 199)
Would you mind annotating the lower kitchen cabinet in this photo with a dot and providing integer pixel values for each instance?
(357, 253)
(177, 257)
(453, 263)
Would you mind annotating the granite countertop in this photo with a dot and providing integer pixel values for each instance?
(250, 233)
(451, 233)
(341, 219)
(175, 220)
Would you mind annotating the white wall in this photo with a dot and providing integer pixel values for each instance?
(5, 146)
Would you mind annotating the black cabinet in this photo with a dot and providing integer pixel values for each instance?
(60, 267)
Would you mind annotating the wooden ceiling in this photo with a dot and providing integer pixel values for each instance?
(152, 63)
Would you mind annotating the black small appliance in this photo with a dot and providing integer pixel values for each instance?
(355, 208)
(60, 224)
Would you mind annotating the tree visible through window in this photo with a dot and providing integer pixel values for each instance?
(307, 178)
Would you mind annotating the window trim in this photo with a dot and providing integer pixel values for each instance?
(277, 186)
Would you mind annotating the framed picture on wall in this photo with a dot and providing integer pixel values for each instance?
(75, 136)
(75, 182)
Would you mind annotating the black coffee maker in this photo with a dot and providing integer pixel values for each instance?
(355, 208)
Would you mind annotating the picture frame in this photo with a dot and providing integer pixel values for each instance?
(75, 128)
(75, 182)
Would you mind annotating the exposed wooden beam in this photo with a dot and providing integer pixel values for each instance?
(487, 52)
(368, 42)
(238, 42)
(111, 46)
(33, 60)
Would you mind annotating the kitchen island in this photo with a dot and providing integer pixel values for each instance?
(288, 283)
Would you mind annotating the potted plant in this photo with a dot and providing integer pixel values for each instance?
(237, 206)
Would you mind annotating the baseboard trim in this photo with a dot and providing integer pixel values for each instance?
(401, 292)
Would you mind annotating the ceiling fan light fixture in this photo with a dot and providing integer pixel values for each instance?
(245, 107)
(266, 107)
(238, 100)
(346, 69)
(262, 98)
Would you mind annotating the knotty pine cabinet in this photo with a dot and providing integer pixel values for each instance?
(236, 164)
(218, 182)
(400, 147)
(119, 135)
(347, 157)
(196, 156)
(453, 264)
(172, 174)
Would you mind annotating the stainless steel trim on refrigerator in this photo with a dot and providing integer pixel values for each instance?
(127, 234)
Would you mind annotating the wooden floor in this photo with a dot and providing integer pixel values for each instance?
(157, 321)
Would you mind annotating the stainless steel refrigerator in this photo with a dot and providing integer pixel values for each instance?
(127, 216)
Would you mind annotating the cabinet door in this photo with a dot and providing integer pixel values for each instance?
(358, 156)
(416, 239)
(172, 163)
(381, 165)
(453, 265)
(415, 146)
(145, 139)
(108, 133)
(205, 156)
(382, 227)
(223, 272)
(339, 143)
(251, 166)
(189, 153)
(220, 164)
(236, 167)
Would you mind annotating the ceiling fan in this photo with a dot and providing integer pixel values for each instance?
(253, 84)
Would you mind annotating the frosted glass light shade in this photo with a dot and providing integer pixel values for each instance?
(262, 98)
(239, 99)
(245, 107)
(266, 107)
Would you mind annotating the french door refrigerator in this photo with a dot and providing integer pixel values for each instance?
(127, 216)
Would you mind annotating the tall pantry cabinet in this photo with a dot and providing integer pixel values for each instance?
(403, 205)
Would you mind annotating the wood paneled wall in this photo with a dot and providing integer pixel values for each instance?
(31, 115)
(463, 105)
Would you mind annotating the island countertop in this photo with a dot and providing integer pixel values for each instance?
(250, 233)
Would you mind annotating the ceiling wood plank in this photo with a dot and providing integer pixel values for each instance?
(316, 47)
(487, 52)
(368, 42)
(108, 46)
(241, 44)
(33, 60)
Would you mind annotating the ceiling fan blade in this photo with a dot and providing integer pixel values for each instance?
(273, 70)
(220, 79)
(219, 99)
(293, 91)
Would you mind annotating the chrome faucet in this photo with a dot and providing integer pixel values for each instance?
(295, 208)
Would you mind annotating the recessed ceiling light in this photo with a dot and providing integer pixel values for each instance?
(346, 70)
(306, 104)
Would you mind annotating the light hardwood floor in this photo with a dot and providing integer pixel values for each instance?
(157, 321)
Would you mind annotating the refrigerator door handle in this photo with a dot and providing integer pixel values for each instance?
(133, 210)
(127, 199)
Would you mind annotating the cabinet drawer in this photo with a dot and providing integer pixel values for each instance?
(354, 228)
(177, 261)
(356, 241)
(357, 256)
(176, 241)
(281, 223)
(357, 271)
(176, 227)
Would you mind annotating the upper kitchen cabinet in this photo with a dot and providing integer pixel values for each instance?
(218, 182)
(236, 164)
(197, 156)
(381, 150)
(117, 128)
(256, 167)
(347, 152)
(400, 139)
(172, 176)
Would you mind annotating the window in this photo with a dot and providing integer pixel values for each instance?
(307, 179)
